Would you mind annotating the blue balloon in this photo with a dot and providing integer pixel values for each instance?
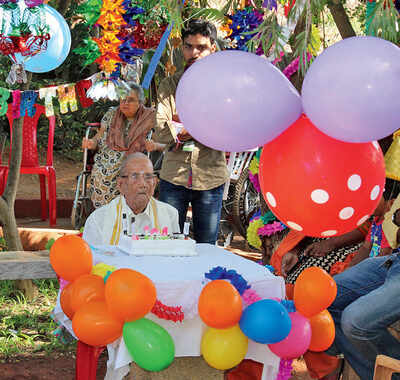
(266, 321)
(58, 46)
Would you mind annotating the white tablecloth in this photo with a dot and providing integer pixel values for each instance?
(179, 281)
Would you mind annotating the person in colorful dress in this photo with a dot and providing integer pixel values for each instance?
(123, 130)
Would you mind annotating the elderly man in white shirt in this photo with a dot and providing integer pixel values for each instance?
(135, 210)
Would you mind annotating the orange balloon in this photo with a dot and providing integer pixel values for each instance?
(220, 304)
(130, 295)
(314, 291)
(65, 301)
(87, 288)
(94, 325)
(322, 331)
(70, 257)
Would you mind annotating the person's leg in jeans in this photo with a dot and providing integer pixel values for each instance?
(176, 196)
(365, 305)
(206, 209)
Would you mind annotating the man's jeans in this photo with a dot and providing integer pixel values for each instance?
(206, 208)
(367, 302)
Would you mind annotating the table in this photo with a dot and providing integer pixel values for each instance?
(179, 281)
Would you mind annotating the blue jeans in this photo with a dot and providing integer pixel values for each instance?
(367, 302)
(206, 208)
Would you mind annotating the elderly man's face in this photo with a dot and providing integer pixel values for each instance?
(137, 183)
(196, 47)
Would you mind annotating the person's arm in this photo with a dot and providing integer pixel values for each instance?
(165, 131)
(289, 260)
(323, 247)
(152, 146)
(362, 254)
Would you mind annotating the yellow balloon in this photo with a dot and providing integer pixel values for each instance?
(101, 269)
(224, 348)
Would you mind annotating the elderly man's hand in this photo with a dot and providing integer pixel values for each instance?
(289, 260)
(319, 249)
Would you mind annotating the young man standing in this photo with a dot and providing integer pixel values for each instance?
(191, 172)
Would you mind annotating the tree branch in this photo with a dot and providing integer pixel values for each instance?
(341, 19)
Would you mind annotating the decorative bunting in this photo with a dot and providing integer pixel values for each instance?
(66, 95)
(81, 88)
(4, 95)
(28, 99)
(48, 94)
(16, 104)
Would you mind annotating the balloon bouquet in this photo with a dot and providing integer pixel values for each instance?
(104, 306)
(34, 35)
(321, 173)
(288, 329)
(103, 309)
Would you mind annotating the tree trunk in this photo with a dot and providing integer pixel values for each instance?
(341, 19)
(7, 215)
(7, 200)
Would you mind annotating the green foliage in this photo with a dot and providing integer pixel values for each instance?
(27, 326)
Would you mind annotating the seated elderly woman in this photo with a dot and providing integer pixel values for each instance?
(123, 130)
(135, 204)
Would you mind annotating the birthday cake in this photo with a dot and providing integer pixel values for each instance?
(158, 245)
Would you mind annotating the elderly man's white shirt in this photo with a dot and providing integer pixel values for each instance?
(100, 224)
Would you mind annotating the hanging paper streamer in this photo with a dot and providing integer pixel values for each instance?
(4, 95)
(81, 88)
(16, 104)
(155, 59)
(48, 94)
(66, 95)
(28, 99)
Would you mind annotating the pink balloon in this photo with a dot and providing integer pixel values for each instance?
(298, 340)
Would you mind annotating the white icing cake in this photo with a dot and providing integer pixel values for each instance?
(153, 246)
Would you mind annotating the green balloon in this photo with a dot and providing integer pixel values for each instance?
(149, 344)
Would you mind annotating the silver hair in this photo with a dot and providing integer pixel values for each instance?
(138, 89)
(130, 157)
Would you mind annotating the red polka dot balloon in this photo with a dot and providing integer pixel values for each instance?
(318, 185)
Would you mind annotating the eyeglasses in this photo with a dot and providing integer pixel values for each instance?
(129, 100)
(147, 177)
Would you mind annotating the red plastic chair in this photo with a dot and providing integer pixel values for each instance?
(30, 160)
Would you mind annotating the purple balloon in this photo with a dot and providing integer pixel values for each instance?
(351, 90)
(235, 101)
(298, 340)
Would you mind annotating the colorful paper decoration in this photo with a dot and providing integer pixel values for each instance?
(23, 29)
(81, 87)
(16, 104)
(66, 95)
(28, 100)
(48, 94)
(4, 95)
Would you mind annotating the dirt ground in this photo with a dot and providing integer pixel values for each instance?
(62, 366)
